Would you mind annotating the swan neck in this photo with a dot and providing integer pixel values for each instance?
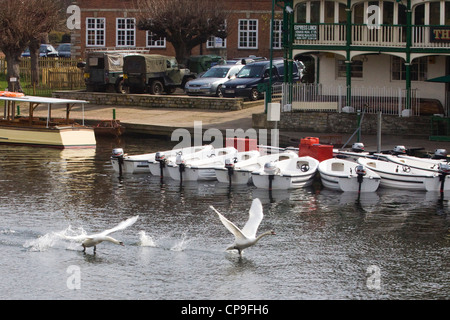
(263, 235)
(111, 239)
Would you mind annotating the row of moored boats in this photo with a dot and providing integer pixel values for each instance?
(274, 168)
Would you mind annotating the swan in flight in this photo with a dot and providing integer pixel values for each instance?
(94, 239)
(247, 236)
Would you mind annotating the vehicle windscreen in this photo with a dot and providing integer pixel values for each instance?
(216, 73)
(251, 71)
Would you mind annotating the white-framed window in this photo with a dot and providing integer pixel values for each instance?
(277, 34)
(248, 34)
(215, 42)
(126, 32)
(95, 32)
(154, 42)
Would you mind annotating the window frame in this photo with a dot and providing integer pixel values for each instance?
(126, 30)
(248, 34)
(99, 34)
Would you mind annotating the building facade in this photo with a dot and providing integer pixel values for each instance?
(384, 43)
(112, 24)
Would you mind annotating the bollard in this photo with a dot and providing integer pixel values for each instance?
(114, 114)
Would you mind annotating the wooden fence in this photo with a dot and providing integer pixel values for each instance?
(54, 74)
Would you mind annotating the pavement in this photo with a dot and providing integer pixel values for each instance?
(163, 121)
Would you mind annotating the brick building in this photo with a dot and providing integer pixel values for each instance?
(112, 24)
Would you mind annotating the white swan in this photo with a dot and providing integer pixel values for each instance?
(247, 236)
(94, 239)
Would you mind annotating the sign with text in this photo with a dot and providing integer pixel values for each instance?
(306, 32)
(440, 34)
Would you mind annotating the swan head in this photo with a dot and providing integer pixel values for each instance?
(121, 243)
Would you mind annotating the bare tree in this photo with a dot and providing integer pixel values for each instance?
(184, 23)
(22, 21)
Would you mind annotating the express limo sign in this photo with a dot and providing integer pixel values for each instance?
(440, 34)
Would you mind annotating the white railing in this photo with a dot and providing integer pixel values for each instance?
(381, 36)
(317, 97)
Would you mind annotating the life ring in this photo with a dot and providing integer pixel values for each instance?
(11, 94)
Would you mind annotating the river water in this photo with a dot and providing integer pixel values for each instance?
(329, 245)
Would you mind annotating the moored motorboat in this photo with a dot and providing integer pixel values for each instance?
(184, 169)
(348, 176)
(293, 172)
(158, 165)
(134, 164)
(395, 175)
(238, 170)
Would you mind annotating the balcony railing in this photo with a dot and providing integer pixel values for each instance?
(363, 35)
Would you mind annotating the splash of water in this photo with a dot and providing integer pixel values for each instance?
(52, 239)
(145, 240)
(182, 244)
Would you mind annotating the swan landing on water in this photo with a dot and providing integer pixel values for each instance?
(94, 239)
(247, 236)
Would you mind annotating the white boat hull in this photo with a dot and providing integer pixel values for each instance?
(292, 173)
(339, 174)
(56, 136)
(238, 176)
(397, 176)
(133, 164)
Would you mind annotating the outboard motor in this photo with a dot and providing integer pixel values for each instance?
(229, 165)
(358, 147)
(361, 172)
(181, 163)
(118, 154)
(444, 170)
(399, 150)
(161, 158)
(440, 154)
(271, 169)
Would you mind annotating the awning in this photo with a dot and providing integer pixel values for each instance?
(443, 79)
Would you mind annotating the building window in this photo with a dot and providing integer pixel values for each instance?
(277, 34)
(356, 69)
(216, 42)
(95, 32)
(248, 34)
(154, 42)
(419, 68)
(126, 32)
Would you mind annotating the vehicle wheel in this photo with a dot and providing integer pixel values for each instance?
(120, 87)
(254, 94)
(219, 91)
(156, 87)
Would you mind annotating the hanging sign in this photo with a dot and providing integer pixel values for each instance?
(306, 32)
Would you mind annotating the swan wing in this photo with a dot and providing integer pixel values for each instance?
(123, 225)
(230, 225)
(254, 219)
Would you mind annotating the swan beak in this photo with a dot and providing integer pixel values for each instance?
(273, 233)
(121, 243)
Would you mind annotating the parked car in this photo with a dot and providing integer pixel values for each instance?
(245, 60)
(210, 83)
(251, 75)
(201, 64)
(103, 71)
(45, 50)
(154, 73)
(64, 50)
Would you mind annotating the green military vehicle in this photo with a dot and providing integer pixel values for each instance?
(103, 71)
(154, 73)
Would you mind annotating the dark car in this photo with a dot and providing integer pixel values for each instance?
(246, 83)
(64, 50)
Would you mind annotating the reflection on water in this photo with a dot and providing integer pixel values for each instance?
(325, 242)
